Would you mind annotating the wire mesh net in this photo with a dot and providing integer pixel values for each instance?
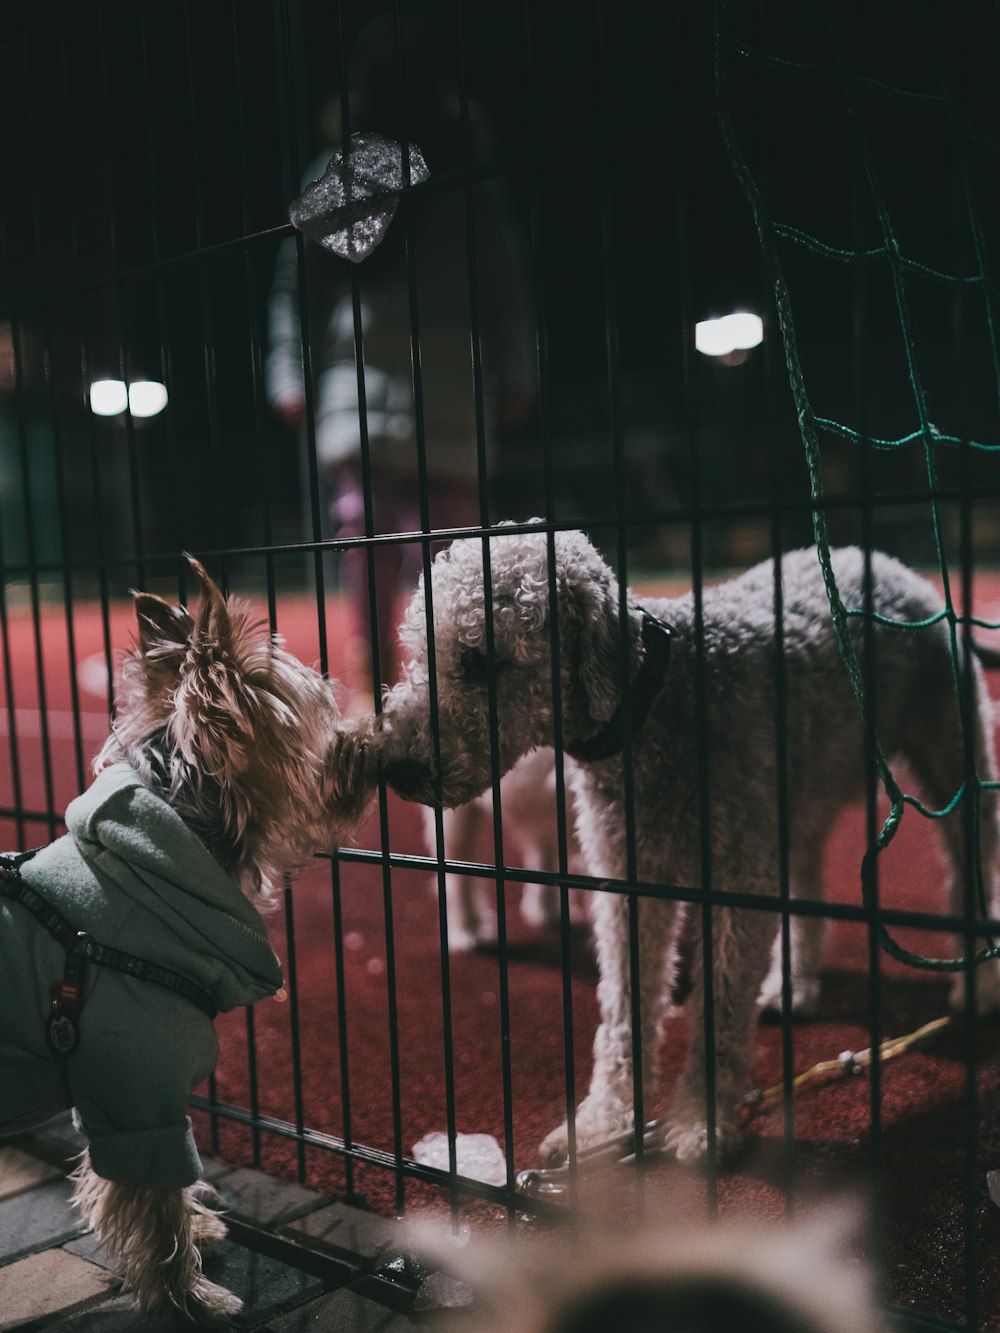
(870, 239)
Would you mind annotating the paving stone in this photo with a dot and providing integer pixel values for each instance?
(20, 1171)
(343, 1311)
(46, 1283)
(89, 1247)
(58, 1139)
(118, 1315)
(263, 1201)
(346, 1231)
(214, 1168)
(266, 1286)
(38, 1220)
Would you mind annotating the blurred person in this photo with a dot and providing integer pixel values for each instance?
(410, 96)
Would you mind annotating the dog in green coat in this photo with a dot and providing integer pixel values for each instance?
(228, 766)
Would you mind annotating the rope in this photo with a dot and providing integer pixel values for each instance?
(926, 436)
(847, 1062)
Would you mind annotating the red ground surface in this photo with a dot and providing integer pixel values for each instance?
(918, 1159)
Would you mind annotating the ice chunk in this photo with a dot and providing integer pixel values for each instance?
(477, 1156)
(351, 205)
(441, 1291)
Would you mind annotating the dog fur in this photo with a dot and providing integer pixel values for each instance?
(246, 745)
(678, 1275)
(917, 717)
(530, 833)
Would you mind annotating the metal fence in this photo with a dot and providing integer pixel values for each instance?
(527, 336)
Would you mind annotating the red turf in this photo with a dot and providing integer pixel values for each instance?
(925, 1112)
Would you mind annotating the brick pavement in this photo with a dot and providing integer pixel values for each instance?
(298, 1260)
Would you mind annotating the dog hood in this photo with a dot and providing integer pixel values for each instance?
(173, 903)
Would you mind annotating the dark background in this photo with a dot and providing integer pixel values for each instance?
(152, 150)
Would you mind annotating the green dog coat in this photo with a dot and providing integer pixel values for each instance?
(133, 876)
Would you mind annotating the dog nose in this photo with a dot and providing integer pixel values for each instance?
(406, 776)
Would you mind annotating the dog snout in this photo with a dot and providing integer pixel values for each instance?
(407, 776)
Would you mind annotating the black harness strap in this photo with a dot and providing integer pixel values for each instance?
(645, 687)
(81, 949)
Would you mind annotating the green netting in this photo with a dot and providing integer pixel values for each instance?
(731, 51)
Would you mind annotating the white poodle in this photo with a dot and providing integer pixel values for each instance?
(698, 805)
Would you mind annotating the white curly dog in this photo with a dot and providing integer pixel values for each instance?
(702, 719)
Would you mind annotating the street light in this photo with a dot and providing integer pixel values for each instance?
(146, 397)
(731, 337)
(143, 398)
(108, 397)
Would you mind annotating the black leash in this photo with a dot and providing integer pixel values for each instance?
(63, 1026)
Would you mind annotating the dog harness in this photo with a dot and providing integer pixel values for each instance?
(62, 1029)
(645, 687)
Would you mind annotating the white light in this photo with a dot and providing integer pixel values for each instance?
(108, 397)
(146, 397)
(731, 333)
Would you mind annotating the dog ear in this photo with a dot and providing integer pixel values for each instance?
(594, 603)
(599, 663)
(159, 624)
(213, 617)
(217, 705)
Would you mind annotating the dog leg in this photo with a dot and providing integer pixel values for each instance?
(472, 918)
(608, 1107)
(939, 764)
(154, 1238)
(540, 905)
(741, 942)
(987, 975)
(540, 902)
(806, 938)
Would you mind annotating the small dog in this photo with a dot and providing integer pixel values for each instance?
(226, 769)
(724, 726)
(530, 832)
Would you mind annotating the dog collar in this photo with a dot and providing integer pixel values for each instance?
(645, 687)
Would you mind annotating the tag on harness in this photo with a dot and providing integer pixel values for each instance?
(62, 1030)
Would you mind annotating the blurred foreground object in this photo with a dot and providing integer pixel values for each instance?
(678, 1277)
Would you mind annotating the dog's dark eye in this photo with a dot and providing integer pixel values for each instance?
(475, 666)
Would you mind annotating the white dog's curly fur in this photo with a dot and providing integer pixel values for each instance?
(917, 718)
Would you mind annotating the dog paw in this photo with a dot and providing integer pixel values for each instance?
(209, 1232)
(207, 1303)
(688, 1141)
(593, 1127)
(479, 934)
(805, 996)
(540, 905)
(461, 939)
(190, 1296)
(208, 1229)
